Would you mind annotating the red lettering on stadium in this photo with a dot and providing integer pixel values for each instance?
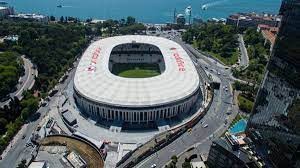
(179, 59)
(95, 55)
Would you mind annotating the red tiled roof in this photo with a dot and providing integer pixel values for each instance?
(269, 36)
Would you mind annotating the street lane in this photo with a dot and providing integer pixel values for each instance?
(244, 62)
(27, 79)
(200, 137)
(18, 150)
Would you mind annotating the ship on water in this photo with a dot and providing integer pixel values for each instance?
(204, 7)
(3, 3)
(59, 6)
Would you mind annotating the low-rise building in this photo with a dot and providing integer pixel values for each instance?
(5, 11)
(29, 17)
(69, 118)
(269, 33)
(76, 160)
(38, 164)
(252, 20)
(199, 164)
(12, 38)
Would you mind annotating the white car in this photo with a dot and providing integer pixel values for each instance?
(153, 166)
(205, 126)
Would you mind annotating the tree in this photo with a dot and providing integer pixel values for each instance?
(3, 123)
(61, 19)
(122, 22)
(186, 163)
(130, 20)
(52, 18)
(174, 158)
(22, 164)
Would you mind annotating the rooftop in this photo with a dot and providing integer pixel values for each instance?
(239, 147)
(254, 16)
(38, 164)
(100, 85)
(3, 7)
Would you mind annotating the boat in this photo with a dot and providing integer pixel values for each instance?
(59, 6)
(204, 7)
(3, 3)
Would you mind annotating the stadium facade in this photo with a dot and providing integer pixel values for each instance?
(102, 94)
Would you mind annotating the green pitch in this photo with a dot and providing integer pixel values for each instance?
(136, 70)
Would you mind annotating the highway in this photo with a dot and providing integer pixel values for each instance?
(201, 137)
(27, 80)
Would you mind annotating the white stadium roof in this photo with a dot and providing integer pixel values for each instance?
(94, 81)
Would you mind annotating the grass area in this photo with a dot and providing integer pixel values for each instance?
(244, 103)
(228, 60)
(138, 73)
(142, 70)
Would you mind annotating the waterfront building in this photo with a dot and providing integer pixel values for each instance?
(180, 19)
(5, 11)
(246, 20)
(269, 33)
(29, 17)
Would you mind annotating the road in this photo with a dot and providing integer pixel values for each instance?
(27, 80)
(200, 137)
(244, 61)
(18, 150)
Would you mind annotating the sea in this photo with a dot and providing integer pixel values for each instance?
(147, 11)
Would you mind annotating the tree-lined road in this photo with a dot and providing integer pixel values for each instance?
(244, 61)
(26, 82)
(18, 150)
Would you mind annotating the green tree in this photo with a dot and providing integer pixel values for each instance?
(186, 163)
(130, 20)
(22, 164)
(174, 158)
(61, 19)
(52, 18)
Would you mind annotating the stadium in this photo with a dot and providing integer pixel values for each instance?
(135, 79)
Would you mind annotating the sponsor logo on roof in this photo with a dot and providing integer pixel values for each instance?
(179, 60)
(95, 55)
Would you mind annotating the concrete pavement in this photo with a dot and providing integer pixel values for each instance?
(201, 137)
(18, 150)
(244, 59)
